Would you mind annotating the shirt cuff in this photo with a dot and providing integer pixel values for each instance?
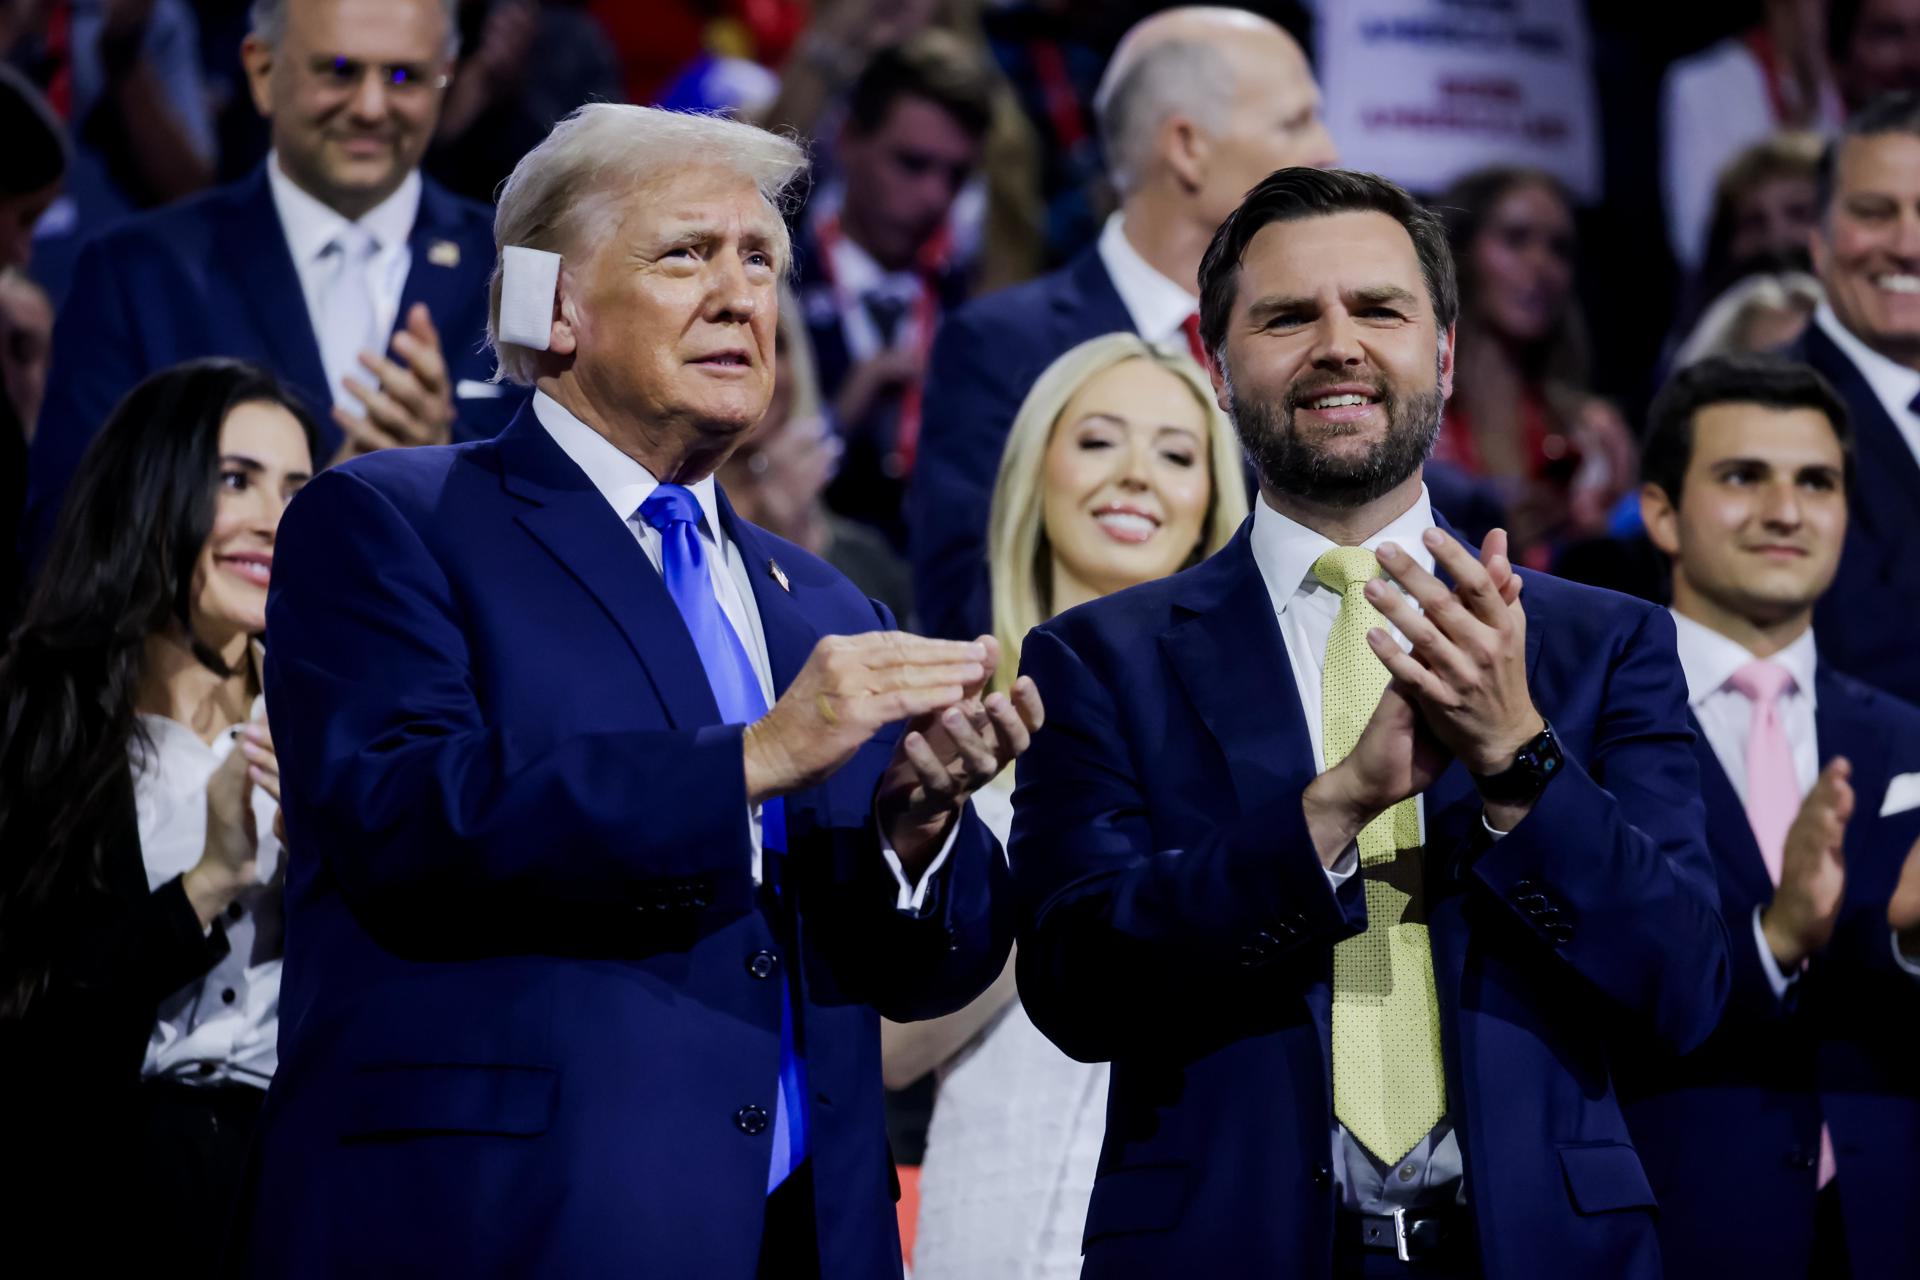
(1344, 866)
(1492, 830)
(1771, 967)
(1910, 963)
(913, 896)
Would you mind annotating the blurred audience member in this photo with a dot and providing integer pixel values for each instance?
(1806, 1088)
(140, 866)
(29, 182)
(1119, 469)
(776, 477)
(1197, 105)
(1866, 341)
(1764, 208)
(1876, 48)
(531, 62)
(1762, 312)
(1774, 76)
(873, 256)
(1520, 414)
(338, 218)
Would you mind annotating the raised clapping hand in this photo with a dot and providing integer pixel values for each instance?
(853, 686)
(1461, 692)
(413, 403)
(229, 860)
(1813, 870)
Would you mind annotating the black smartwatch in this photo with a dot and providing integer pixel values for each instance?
(1533, 767)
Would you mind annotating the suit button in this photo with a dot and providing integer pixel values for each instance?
(228, 996)
(750, 1120)
(1322, 1177)
(761, 964)
(235, 911)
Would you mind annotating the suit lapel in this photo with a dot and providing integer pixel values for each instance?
(789, 633)
(438, 273)
(1232, 660)
(1886, 476)
(1089, 302)
(1843, 727)
(1728, 831)
(569, 517)
(255, 257)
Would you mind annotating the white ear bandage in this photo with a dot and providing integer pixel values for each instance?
(529, 279)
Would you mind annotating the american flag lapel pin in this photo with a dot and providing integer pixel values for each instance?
(779, 575)
(443, 253)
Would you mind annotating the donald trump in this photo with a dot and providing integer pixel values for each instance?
(617, 820)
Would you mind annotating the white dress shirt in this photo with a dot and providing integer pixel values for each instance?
(1708, 660)
(1894, 384)
(225, 1027)
(1284, 550)
(857, 277)
(625, 484)
(310, 227)
(1158, 305)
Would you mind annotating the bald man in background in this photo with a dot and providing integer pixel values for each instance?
(1197, 106)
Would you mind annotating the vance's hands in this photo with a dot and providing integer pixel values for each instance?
(1461, 692)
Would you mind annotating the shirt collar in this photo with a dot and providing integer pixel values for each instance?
(1285, 549)
(1158, 305)
(1709, 659)
(1893, 383)
(310, 226)
(858, 275)
(624, 483)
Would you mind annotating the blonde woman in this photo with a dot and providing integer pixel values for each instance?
(1119, 470)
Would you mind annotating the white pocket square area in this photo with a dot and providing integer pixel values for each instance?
(1903, 793)
(473, 389)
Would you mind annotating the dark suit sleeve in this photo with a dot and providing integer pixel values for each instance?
(1124, 944)
(972, 395)
(911, 965)
(1610, 872)
(96, 361)
(408, 794)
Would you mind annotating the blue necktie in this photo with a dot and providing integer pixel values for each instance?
(675, 512)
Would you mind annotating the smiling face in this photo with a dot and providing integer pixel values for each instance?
(1867, 253)
(1127, 482)
(1522, 264)
(1337, 369)
(263, 463)
(1756, 536)
(353, 93)
(670, 318)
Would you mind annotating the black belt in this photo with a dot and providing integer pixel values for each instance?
(1439, 1233)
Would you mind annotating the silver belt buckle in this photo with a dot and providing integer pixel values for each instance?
(1400, 1235)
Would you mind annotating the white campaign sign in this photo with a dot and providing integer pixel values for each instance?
(1424, 91)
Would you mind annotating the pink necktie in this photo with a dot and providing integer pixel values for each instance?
(1773, 791)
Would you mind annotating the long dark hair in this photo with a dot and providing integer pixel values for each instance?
(120, 569)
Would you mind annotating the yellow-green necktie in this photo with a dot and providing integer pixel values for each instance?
(1389, 1082)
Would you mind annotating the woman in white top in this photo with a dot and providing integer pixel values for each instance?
(1119, 469)
(139, 859)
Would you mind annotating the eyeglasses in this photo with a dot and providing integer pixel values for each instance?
(344, 75)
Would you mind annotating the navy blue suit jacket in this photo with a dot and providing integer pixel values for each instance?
(984, 362)
(212, 276)
(1730, 1133)
(1868, 619)
(530, 987)
(1176, 921)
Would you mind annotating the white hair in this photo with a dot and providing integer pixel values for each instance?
(1136, 95)
(568, 188)
(1722, 329)
(268, 20)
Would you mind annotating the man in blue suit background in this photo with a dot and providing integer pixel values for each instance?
(583, 976)
(1196, 105)
(1360, 921)
(1865, 340)
(1798, 1119)
(333, 250)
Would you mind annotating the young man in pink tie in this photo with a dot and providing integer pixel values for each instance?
(1784, 1147)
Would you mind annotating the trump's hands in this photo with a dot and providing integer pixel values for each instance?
(1398, 754)
(413, 401)
(1813, 870)
(947, 755)
(850, 688)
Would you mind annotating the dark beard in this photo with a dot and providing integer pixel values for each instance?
(1301, 469)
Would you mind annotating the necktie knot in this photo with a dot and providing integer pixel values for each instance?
(1346, 569)
(354, 244)
(670, 504)
(1762, 681)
